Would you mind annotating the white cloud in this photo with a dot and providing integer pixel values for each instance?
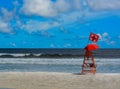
(66, 11)
(111, 42)
(7, 15)
(4, 27)
(39, 7)
(104, 4)
(62, 6)
(78, 4)
(105, 34)
(33, 26)
(100, 36)
(60, 9)
(48, 8)
(69, 18)
(106, 38)
(5, 18)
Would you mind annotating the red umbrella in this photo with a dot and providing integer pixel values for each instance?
(91, 47)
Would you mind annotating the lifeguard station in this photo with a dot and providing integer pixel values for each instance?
(89, 65)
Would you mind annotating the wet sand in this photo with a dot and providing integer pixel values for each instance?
(51, 80)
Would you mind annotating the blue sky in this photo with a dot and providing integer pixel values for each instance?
(59, 23)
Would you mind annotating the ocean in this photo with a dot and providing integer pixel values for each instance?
(107, 60)
(68, 65)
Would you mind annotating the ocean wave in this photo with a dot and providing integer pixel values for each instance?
(55, 61)
(39, 61)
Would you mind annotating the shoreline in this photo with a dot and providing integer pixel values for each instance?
(56, 80)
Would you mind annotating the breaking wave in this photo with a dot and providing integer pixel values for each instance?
(57, 61)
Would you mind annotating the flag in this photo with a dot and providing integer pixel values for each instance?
(93, 37)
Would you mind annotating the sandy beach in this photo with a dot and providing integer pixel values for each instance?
(51, 80)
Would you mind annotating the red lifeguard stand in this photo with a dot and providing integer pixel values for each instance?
(88, 65)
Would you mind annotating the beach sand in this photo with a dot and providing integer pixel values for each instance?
(51, 80)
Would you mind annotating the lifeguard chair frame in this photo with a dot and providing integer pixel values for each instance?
(90, 67)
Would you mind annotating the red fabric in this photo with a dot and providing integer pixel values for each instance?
(93, 37)
(91, 47)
